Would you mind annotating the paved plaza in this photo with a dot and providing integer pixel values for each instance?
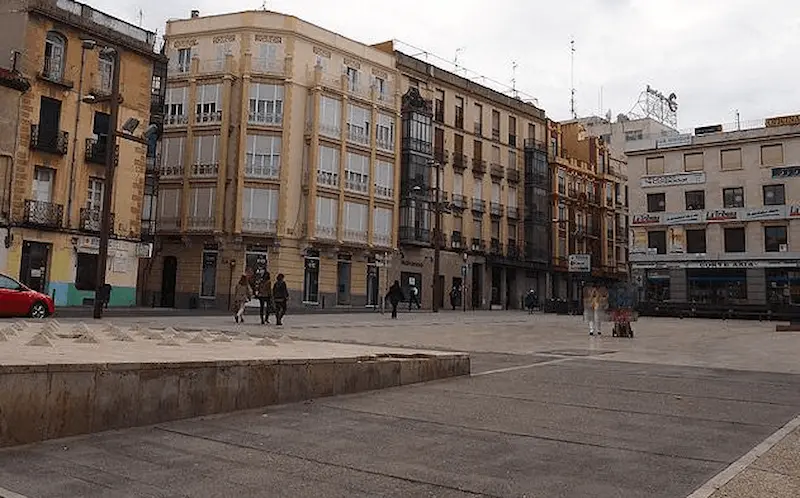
(686, 407)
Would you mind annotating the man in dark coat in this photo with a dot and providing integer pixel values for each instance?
(394, 296)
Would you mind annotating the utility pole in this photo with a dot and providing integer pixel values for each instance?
(437, 241)
(572, 79)
(111, 160)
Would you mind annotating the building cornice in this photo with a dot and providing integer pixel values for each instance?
(722, 142)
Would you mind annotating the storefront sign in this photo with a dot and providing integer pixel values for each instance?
(786, 172)
(683, 218)
(707, 130)
(677, 240)
(782, 121)
(674, 141)
(417, 264)
(722, 215)
(718, 265)
(794, 211)
(646, 219)
(673, 179)
(765, 213)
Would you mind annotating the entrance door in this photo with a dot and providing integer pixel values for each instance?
(512, 298)
(33, 268)
(440, 292)
(373, 285)
(458, 285)
(255, 261)
(343, 283)
(477, 286)
(168, 278)
(497, 279)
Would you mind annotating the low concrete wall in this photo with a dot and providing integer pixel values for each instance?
(39, 402)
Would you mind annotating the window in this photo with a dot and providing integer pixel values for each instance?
(263, 156)
(384, 179)
(562, 215)
(495, 154)
(330, 117)
(438, 106)
(512, 232)
(695, 200)
(169, 207)
(356, 173)
(458, 184)
(656, 203)
(311, 277)
(774, 195)
(478, 119)
(327, 215)
(381, 88)
(512, 197)
(512, 131)
(266, 103)
(512, 159)
(658, 241)
(54, 56)
(184, 60)
(382, 227)
(172, 162)
(632, 136)
(358, 124)
(655, 165)
(355, 222)
(208, 107)
(352, 79)
(772, 155)
(175, 107)
(384, 132)
(105, 68)
(328, 167)
(417, 133)
(775, 239)
(531, 131)
(459, 113)
(94, 198)
(86, 272)
(43, 179)
(208, 284)
(733, 197)
(731, 159)
(265, 57)
(695, 241)
(201, 207)
(478, 190)
(693, 161)
(8, 283)
(259, 209)
(477, 228)
(495, 228)
(562, 182)
(734, 240)
(495, 124)
(149, 205)
(206, 161)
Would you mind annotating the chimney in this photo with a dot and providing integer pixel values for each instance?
(195, 14)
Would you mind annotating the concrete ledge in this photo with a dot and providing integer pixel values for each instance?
(39, 402)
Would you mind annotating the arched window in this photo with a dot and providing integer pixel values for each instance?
(106, 71)
(55, 47)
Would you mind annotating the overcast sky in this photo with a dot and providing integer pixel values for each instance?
(716, 55)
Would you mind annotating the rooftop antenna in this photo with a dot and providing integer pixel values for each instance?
(738, 121)
(455, 61)
(572, 78)
(514, 79)
(141, 17)
(264, 5)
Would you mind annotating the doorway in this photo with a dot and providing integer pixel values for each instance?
(168, 279)
(512, 299)
(34, 265)
(373, 284)
(343, 282)
(497, 279)
(440, 291)
(477, 286)
(459, 292)
(256, 259)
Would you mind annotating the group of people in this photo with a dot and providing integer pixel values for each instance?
(395, 296)
(272, 298)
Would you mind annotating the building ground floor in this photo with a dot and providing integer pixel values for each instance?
(64, 265)
(720, 283)
(569, 286)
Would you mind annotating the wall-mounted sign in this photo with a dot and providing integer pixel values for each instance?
(684, 218)
(707, 130)
(674, 141)
(786, 172)
(744, 263)
(646, 219)
(580, 263)
(673, 179)
(722, 215)
(794, 211)
(783, 121)
(417, 264)
(765, 213)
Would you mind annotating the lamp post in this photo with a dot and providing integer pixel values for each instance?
(437, 240)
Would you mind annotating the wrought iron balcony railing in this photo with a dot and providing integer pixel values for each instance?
(49, 140)
(478, 166)
(478, 205)
(477, 245)
(457, 241)
(459, 201)
(496, 209)
(512, 175)
(512, 212)
(459, 161)
(43, 214)
(495, 247)
(91, 219)
(497, 171)
(415, 234)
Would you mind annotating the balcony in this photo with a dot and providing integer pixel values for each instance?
(438, 112)
(171, 171)
(96, 151)
(327, 178)
(156, 103)
(512, 212)
(202, 170)
(355, 236)
(325, 232)
(459, 161)
(264, 65)
(531, 144)
(208, 117)
(513, 251)
(169, 224)
(477, 245)
(417, 145)
(496, 134)
(441, 156)
(357, 135)
(383, 191)
(385, 144)
(512, 140)
(151, 165)
(53, 71)
(147, 230)
(478, 166)
(200, 223)
(176, 120)
(415, 235)
(496, 209)
(259, 226)
(331, 131)
(457, 241)
(357, 186)
(265, 118)
(382, 239)
(496, 171)
(512, 175)
(478, 205)
(43, 214)
(459, 201)
(262, 170)
(49, 140)
(91, 219)
(495, 247)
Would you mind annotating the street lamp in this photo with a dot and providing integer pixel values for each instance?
(437, 237)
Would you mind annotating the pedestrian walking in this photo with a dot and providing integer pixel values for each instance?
(394, 296)
(241, 295)
(263, 292)
(280, 296)
(413, 297)
(454, 295)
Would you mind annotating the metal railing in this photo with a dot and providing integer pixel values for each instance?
(262, 170)
(459, 201)
(325, 232)
(269, 118)
(168, 171)
(168, 224)
(200, 222)
(478, 205)
(512, 212)
(495, 247)
(384, 191)
(202, 170)
(415, 234)
(209, 117)
(383, 144)
(496, 171)
(176, 120)
(327, 178)
(512, 175)
(257, 225)
(459, 161)
(382, 239)
(91, 219)
(358, 236)
(356, 186)
(478, 166)
(357, 135)
(43, 214)
(457, 241)
(49, 140)
(477, 245)
(96, 151)
(496, 209)
(532, 144)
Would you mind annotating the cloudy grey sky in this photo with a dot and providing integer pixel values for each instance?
(716, 55)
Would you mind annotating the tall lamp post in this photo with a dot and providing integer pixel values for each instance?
(437, 240)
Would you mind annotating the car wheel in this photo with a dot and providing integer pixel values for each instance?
(38, 310)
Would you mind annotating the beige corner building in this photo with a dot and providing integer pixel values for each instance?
(716, 218)
(53, 147)
(280, 152)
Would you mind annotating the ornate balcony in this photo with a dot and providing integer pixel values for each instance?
(477, 245)
(459, 202)
(478, 205)
(49, 140)
(478, 166)
(495, 247)
(208, 117)
(512, 175)
(325, 232)
(200, 223)
(91, 219)
(43, 214)
(459, 161)
(265, 118)
(171, 171)
(202, 170)
(441, 156)
(261, 170)
(383, 191)
(497, 171)
(355, 236)
(531, 144)
(257, 225)
(416, 235)
(496, 209)
(327, 178)
(458, 241)
(512, 212)
(96, 151)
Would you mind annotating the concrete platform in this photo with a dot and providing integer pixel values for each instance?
(61, 380)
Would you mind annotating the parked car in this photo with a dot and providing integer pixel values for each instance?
(18, 300)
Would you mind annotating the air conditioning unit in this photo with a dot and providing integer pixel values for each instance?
(783, 248)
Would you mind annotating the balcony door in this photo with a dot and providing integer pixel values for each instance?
(49, 116)
(94, 199)
(43, 184)
(34, 265)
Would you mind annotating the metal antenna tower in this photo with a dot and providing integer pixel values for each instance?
(514, 79)
(455, 60)
(572, 79)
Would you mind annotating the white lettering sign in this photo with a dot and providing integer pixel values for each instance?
(673, 179)
(683, 218)
(674, 141)
(580, 262)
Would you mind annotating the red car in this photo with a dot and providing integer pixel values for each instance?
(18, 300)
